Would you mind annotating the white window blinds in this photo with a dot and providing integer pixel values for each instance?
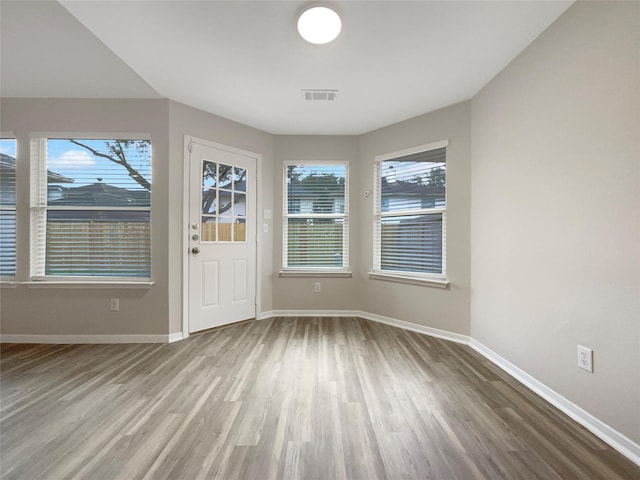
(7, 207)
(316, 216)
(410, 217)
(91, 207)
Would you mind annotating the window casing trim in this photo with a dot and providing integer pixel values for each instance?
(342, 271)
(409, 151)
(400, 276)
(39, 207)
(436, 281)
(316, 272)
(87, 282)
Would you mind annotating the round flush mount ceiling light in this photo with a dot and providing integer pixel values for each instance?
(319, 25)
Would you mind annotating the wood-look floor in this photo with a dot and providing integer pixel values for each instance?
(304, 398)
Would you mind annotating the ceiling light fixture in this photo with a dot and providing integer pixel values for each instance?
(319, 25)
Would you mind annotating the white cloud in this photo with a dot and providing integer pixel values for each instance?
(72, 159)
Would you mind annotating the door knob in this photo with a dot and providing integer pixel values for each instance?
(195, 250)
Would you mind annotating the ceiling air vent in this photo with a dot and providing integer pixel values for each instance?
(316, 95)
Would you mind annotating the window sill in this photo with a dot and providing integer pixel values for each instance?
(427, 282)
(8, 284)
(315, 274)
(86, 284)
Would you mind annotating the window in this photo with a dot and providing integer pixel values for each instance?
(91, 208)
(224, 202)
(316, 216)
(410, 212)
(7, 207)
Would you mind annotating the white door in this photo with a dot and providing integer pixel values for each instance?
(222, 237)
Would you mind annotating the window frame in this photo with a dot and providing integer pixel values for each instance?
(12, 208)
(404, 276)
(38, 209)
(315, 271)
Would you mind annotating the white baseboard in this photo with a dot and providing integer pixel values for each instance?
(615, 439)
(80, 339)
(174, 337)
(414, 327)
(307, 313)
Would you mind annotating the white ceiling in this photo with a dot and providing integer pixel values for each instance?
(244, 60)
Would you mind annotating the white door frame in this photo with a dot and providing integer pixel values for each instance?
(188, 140)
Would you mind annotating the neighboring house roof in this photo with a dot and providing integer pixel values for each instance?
(410, 189)
(102, 194)
(428, 218)
(397, 188)
(119, 216)
(8, 164)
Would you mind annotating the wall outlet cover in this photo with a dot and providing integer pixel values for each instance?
(585, 358)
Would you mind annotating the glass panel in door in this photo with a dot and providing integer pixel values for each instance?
(224, 203)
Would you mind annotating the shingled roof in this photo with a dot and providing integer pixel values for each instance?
(102, 194)
(8, 165)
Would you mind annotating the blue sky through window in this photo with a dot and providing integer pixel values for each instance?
(8, 147)
(79, 164)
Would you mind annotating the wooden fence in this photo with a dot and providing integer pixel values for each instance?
(225, 231)
(315, 244)
(98, 248)
(412, 246)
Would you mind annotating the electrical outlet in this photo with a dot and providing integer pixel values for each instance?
(585, 358)
(114, 304)
(317, 287)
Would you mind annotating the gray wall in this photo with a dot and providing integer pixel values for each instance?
(556, 210)
(68, 311)
(185, 120)
(433, 307)
(443, 309)
(158, 309)
(297, 293)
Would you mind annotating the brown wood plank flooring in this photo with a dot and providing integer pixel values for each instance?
(303, 398)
